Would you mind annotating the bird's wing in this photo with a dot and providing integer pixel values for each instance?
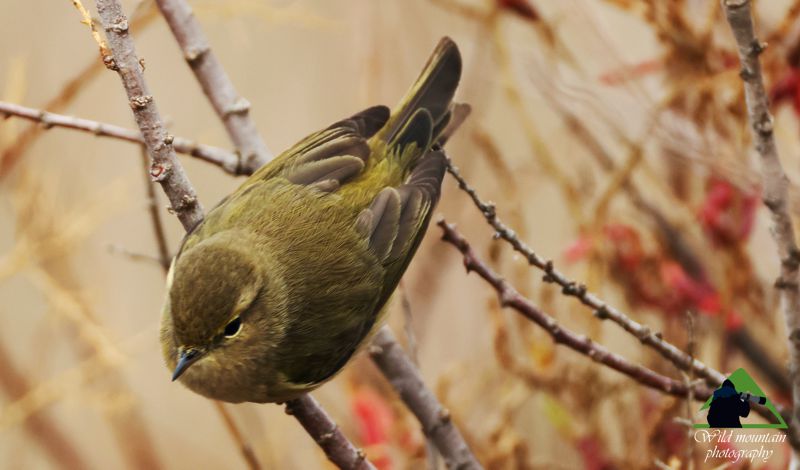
(324, 160)
(397, 219)
(328, 157)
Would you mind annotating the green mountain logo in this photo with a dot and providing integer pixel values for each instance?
(746, 390)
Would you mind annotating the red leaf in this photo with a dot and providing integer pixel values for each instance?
(727, 213)
(375, 419)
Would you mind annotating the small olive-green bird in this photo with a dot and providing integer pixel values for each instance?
(274, 292)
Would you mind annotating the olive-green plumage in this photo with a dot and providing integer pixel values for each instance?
(272, 294)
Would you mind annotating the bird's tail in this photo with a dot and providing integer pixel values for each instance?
(424, 112)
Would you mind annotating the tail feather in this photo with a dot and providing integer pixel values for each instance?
(432, 92)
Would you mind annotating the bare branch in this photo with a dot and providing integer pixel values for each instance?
(604, 311)
(327, 434)
(141, 17)
(406, 379)
(571, 288)
(232, 109)
(228, 161)
(155, 216)
(775, 183)
(165, 168)
(55, 442)
(509, 297)
(233, 430)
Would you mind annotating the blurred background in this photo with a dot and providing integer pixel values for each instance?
(612, 136)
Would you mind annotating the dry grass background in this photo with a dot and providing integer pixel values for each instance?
(82, 382)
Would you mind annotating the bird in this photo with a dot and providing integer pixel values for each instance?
(289, 276)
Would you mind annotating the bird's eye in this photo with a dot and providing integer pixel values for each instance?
(233, 328)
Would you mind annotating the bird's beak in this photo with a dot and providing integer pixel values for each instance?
(185, 359)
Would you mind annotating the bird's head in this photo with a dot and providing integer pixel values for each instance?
(216, 326)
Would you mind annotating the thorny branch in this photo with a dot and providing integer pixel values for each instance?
(167, 170)
(509, 297)
(232, 109)
(775, 183)
(603, 311)
(569, 287)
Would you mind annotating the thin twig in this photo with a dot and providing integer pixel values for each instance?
(233, 430)
(55, 442)
(232, 109)
(509, 297)
(327, 434)
(155, 214)
(602, 310)
(88, 21)
(167, 170)
(775, 184)
(135, 256)
(572, 288)
(406, 379)
(687, 375)
(224, 159)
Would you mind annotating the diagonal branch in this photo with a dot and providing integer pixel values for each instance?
(327, 434)
(775, 183)
(571, 288)
(510, 297)
(232, 109)
(406, 379)
(165, 168)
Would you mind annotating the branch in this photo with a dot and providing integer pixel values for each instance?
(228, 161)
(167, 170)
(232, 109)
(406, 379)
(604, 311)
(509, 297)
(775, 183)
(571, 288)
(55, 442)
(163, 259)
(142, 17)
(244, 446)
(327, 434)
